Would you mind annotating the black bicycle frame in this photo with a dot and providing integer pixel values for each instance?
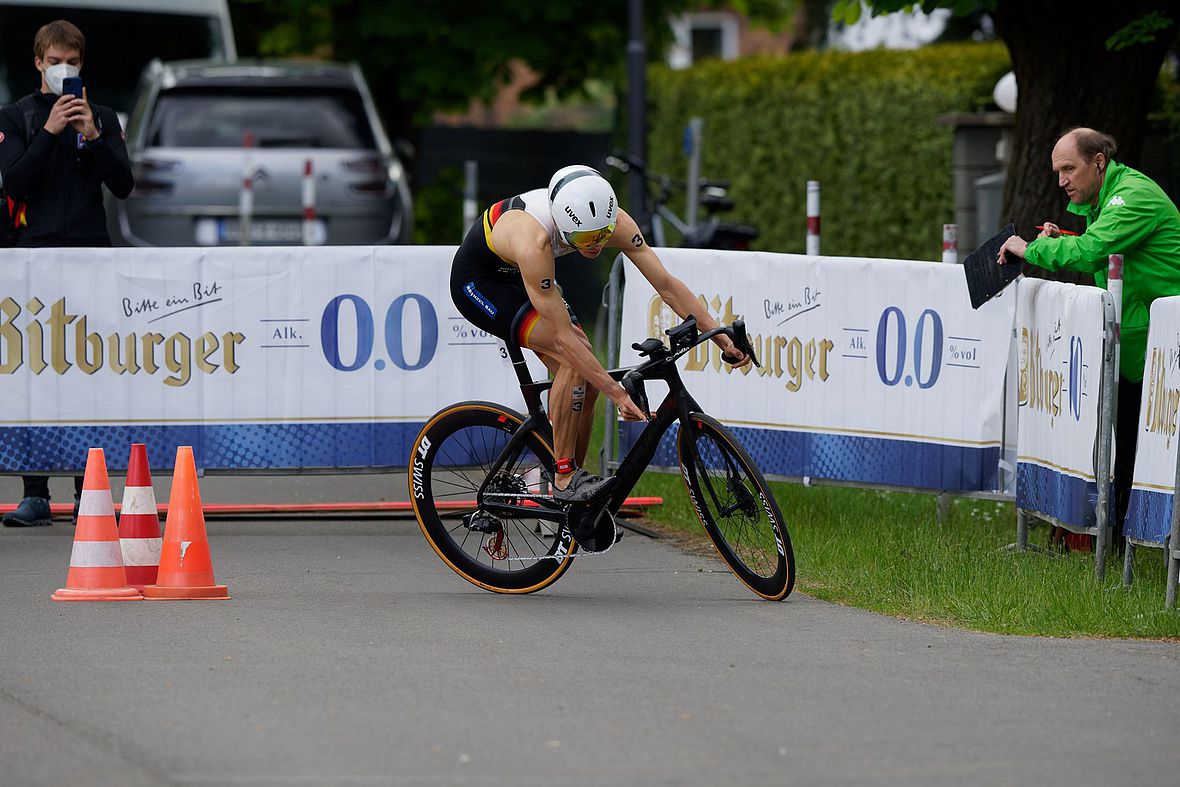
(678, 405)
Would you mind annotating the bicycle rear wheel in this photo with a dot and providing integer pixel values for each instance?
(736, 507)
(453, 456)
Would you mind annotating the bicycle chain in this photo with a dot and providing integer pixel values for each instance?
(504, 496)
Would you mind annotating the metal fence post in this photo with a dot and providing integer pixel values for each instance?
(1021, 530)
(1110, 357)
(610, 416)
(693, 143)
(470, 194)
(310, 236)
(246, 195)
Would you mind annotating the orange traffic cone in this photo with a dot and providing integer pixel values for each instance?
(186, 567)
(96, 563)
(139, 522)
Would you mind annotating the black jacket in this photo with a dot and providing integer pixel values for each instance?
(60, 178)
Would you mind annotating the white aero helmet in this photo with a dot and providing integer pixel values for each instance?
(583, 206)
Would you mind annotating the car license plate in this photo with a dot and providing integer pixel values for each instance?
(262, 231)
(226, 231)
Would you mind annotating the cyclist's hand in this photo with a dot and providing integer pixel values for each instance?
(733, 356)
(628, 409)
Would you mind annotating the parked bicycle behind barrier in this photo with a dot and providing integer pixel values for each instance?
(712, 233)
(478, 470)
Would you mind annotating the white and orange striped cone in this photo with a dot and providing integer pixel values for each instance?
(96, 563)
(139, 522)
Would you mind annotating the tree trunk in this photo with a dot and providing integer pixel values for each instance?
(1067, 77)
(809, 27)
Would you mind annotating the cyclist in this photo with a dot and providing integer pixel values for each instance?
(502, 281)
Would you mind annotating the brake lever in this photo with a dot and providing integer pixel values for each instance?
(632, 383)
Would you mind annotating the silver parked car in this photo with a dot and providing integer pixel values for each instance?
(199, 130)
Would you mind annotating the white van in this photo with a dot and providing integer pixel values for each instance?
(122, 36)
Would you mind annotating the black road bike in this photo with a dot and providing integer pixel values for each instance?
(479, 473)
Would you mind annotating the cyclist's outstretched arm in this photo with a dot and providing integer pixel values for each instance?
(535, 261)
(672, 290)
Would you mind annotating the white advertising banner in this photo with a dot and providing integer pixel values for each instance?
(1059, 334)
(260, 358)
(873, 371)
(1149, 513)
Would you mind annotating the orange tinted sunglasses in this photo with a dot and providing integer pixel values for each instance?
(589, 239)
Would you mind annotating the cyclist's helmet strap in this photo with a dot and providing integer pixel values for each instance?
(565, 466)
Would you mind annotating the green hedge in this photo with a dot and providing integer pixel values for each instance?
(864, 124)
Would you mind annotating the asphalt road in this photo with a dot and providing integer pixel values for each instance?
(349, 654)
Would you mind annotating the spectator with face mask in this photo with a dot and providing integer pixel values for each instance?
(57, 151)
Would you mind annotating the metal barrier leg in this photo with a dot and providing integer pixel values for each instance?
(1173, 570)
(1128, 568)
(1173, 539)
(1021, 530)
(944, 507)
(1106, 416)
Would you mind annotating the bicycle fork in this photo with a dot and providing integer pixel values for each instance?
(743, 500)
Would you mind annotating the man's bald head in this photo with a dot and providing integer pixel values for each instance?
(1089, 143)
(1080, 159)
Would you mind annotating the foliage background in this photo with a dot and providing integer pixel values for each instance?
(864, 124)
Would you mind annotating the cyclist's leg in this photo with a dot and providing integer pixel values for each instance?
(571, 400)
(575, 399)
(567, 421)
(587, 422)
(571, 387)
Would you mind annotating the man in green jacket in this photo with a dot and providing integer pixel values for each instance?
(1126, 213)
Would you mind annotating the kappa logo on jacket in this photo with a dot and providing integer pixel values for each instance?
(1116, 201)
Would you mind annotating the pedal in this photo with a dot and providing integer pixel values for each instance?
(483, 522)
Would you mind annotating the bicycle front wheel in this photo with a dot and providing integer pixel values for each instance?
(453, 456)
(736, 507)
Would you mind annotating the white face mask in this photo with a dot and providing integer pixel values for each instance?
(56, 74)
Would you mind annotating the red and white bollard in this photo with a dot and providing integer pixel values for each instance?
(1114, 285)
(813, 218)
(950, 243)
(246, 196)
(310, 235)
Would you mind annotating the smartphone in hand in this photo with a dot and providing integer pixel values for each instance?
(71, 86)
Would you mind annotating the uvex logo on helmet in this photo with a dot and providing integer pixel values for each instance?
(583, 206)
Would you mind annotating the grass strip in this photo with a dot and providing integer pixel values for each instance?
(887, 552)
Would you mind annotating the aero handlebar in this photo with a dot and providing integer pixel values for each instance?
(683, 338)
